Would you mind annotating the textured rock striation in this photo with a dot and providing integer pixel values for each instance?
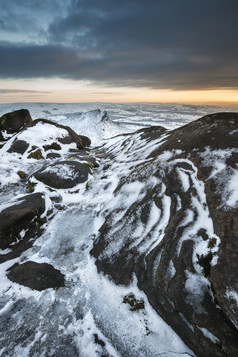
(179, 235)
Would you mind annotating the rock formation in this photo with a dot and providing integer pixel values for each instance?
(166, 206)
(180, 235)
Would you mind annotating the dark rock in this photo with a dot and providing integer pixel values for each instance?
(91, 161)
(37, 155)
(63, 174)
(14, 121)
(30, 186)
(19, 146)
(36, 276)
(53, 146)
(21, 174)
(210, 131)
(135, 304)
(53, 155)
(98, 341)
(23, 214)
(208, 322)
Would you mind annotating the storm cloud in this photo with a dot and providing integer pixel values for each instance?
(183, 44)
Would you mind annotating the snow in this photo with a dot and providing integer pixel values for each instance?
(184, 178)
(64, 171)
(209, 335)
(232, 200)
(232, 294)
(65, 321)
(196, 286)
(50, 132)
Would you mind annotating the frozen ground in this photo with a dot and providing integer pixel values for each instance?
(123, 117)
(88, 317)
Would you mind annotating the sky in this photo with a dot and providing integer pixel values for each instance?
(183, 51)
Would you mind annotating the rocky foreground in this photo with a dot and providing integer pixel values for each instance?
(167, 220)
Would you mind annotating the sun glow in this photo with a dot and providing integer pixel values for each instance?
(69, 91)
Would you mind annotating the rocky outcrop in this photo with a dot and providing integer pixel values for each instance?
(71, 137)
(38, 276)
(166, 214)
(180, 235)
(20, 215)
(63, 174)
(66, 135)
(62, 161)
(11, 123)
(21, 222)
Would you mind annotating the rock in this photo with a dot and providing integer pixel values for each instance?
(36, 132)
(21, 174)
(21, 214)
(36, 276)
(91, 161)
(14, 121)
(80, 140)
(63, 174)
(135, 304)
(37, 155)
(19, 146)
(53, 155)
(174, 258)
(53, 146)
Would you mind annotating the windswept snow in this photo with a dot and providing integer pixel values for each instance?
(87, 317)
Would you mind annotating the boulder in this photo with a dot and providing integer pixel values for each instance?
(20, 215)
(19, 146)
(85, 158)
(53, 155)
(63, 174)
(25, 140)
(80, 140)
(14, 121)
(38, 276)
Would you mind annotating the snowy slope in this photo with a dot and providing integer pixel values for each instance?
(90, 316)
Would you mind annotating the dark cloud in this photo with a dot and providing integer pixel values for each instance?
(172, 44)
(14, 91)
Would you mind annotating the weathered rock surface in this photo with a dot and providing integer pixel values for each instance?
(18, 216)
(63, 174)
(66, 136)
(13, 122)
(80, 140)
(19, 146)
(20, 224)
(180, 236)
(169, 219)
(36, 276)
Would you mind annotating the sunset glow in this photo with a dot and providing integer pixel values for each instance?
(66, 91)
(87, 51)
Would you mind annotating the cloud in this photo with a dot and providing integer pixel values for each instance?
(14, 91)
(158, 44)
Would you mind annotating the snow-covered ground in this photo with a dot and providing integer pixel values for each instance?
(123, 117)
(88, 317)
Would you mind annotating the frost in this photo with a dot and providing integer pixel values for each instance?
(196, 286)
(232, 200)
(209, 335)
(232, 294)
(63, 171)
